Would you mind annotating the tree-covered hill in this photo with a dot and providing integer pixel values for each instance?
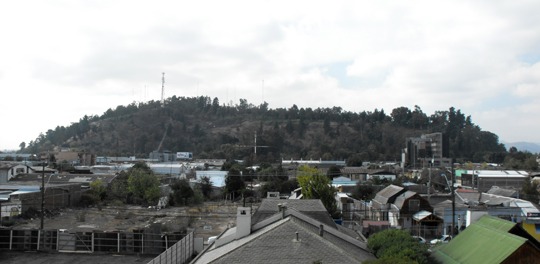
(213, 130)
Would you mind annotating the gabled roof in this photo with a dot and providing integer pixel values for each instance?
(8, 165)
(486, 241)
(274, 241)
(400, 200)
(313, 208)
(388, 194)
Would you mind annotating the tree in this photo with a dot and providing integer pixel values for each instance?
(333, 172)
(181, 192)
(22, 145)
(98, 189)
(530, 191)
(144, 186)
(234, 183)
(205, 185)
(397, 244)
(118, 188)
(363, 191)
(354, 161)
(317, 186)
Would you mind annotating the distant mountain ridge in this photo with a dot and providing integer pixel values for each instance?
(209, 129)
(528, 146)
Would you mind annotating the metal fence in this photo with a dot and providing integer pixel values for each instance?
(179, 253)
(138, 241)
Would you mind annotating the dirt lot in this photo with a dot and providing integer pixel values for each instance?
(207, 220)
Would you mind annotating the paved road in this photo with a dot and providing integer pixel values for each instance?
(18, 257)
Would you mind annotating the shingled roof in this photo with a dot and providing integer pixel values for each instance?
(313, 208)
(274, 241)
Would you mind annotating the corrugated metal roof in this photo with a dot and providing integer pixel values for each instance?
(421, 215)
(385, 194)
(496, 223)
(486, 241)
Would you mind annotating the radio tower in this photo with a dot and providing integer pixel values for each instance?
(163, 90)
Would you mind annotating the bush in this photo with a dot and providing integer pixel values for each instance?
(88, 199)
(8, 223)
(397, 244)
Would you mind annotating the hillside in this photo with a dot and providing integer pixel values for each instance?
(212, 130)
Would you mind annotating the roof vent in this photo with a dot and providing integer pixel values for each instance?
(297, 239)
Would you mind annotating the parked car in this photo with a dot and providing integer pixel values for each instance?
(443, 239)
(420, 239)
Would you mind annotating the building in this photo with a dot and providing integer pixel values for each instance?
(287, 236)
(8, 170)
(484, 180)
(490, 240)
(26, 195)
(419, 152)
(72, 157)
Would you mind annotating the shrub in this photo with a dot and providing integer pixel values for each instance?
(88, 199)
(397, 244)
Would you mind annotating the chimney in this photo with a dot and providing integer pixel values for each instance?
(243, 222)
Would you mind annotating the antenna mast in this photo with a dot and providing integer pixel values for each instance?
(163, 90)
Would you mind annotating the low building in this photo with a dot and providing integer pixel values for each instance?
(490, 240)
(25, 196)
(8, 170)
(287, 236)
(483, 180)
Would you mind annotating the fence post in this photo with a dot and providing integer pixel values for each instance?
(93, 237)
(38, 237)
(10, 239)
(118, 242)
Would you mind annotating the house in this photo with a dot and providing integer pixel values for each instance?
(9, 170)
(287, 236)
(408, 204)
(382, 203)
(490, 240)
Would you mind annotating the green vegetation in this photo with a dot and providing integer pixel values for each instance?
(143, 185)
(210, 130)
(529, 191)
(397, 246)
(522, 160)
(315, 185)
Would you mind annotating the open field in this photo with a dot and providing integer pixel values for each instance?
(208, 219)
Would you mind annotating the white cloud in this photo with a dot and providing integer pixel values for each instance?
(432, 54)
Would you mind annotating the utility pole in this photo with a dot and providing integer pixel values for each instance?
(42, 193)
(453, 196)
(255, 147)
(429, 182)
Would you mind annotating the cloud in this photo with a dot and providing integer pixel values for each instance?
(481, 57)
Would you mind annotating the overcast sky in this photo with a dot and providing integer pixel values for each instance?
(60, 60)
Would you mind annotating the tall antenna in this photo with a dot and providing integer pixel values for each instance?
(163, 90)
(262, 92)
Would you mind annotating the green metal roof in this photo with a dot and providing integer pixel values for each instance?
(486, 241)
(496, 223)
